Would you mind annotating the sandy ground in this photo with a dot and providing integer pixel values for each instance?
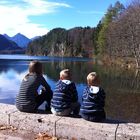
(12, 133)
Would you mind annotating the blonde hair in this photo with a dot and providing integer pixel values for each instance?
(93, 79)
(35, 67)
(65, 74)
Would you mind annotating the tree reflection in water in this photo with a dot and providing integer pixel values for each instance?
(122, 86)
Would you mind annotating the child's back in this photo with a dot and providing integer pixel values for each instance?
(65, 98)
(93, 101)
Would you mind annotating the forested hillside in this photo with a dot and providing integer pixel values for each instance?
(116, 36)
(118, 33)
(61, 42)
(123, 35)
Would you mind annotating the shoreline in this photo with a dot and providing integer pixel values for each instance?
(66, 126)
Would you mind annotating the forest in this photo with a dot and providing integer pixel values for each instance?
(116, 37)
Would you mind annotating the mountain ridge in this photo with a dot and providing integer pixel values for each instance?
(21, 40)
(7, 45)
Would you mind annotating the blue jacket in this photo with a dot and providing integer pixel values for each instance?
(64, 94)
(93, 100)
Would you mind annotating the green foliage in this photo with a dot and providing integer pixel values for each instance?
(61, 42)
(78, 41)
(111, 15)
(123, 35)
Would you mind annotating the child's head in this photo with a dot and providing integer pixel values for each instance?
(93, 79)
(35, 67)
(65, 74)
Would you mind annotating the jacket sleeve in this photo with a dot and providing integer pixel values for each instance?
(46, 85)
(102, 96)
(73, 91)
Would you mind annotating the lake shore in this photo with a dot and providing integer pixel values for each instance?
(67, 126)
(122, 62)
(121, 85)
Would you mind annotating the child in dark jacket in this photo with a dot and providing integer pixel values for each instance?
(28, 98)
(93, 100)
(65, 98)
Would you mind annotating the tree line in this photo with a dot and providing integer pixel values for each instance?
(117, 35)
(77, 41)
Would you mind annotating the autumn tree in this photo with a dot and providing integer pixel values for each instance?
(123, 35)
(111, 15)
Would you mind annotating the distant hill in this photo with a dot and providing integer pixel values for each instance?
(7, 45)
(36, 37)
(74, 42)
(21, 40)
(7, 36)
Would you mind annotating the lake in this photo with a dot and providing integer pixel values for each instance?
(122, 86)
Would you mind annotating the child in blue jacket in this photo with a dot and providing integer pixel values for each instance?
(65, 96)
(93, 100)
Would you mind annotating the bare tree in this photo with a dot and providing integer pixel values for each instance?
(123, 34)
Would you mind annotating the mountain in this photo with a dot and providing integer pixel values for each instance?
(8, 37)
(21, 40)
(7, 45)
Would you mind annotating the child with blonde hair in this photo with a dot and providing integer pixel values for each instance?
(65, 96)
(93, 100)
(28, 98)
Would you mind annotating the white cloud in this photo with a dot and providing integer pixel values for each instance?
(15, 16)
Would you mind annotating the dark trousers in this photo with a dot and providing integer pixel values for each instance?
(44, 96)
(94, 117)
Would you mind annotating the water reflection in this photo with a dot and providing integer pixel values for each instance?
(121, 86)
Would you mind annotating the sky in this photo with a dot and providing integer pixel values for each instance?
(37, 17)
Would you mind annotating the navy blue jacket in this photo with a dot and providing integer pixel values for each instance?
(93, 100)
(64, 94)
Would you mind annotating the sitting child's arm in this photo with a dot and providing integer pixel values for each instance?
(102, 97)
(46, 85)
(73, 92)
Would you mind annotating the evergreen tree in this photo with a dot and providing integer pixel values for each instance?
(111, 15)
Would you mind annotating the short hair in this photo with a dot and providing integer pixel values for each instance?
(35, 67)
(92, 79)
(65, 74)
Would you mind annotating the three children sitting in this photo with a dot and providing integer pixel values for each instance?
(64, 100)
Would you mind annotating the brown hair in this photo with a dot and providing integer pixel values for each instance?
(35, 67)
(93, 79)
(65, 74)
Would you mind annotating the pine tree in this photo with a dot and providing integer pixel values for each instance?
(111, 15)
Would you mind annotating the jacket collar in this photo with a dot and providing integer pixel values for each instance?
(66, 82)
(94, 89)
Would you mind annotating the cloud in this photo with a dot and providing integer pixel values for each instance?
(91, 12)
(15, 15)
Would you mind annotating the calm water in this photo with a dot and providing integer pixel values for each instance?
(122, 86)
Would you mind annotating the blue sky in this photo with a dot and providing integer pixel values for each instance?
(37, 17)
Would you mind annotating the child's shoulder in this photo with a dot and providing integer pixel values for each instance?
(67, 82)
(93, 89)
